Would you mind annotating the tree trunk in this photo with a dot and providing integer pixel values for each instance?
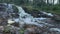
(53, 2)
(59, 1)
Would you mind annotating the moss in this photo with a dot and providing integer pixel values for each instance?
(15, 9)
(7, 29)
(22, 31)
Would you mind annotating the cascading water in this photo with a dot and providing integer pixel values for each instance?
(26, 18)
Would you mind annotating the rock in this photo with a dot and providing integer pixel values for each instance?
(55, 29)
(15, 24)
(35, 30)
(37, 13)
(1, 29)
(29, 31)
(57, 18)
(3, 22)
(10, 21)
(12, 30)
(15, 30)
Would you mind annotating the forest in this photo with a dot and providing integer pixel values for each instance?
(46, 5)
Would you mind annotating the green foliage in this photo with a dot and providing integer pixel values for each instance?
(36, 4)
(22, 31)
(15, 9)
(7, 29)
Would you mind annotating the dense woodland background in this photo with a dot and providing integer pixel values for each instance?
(37, 5)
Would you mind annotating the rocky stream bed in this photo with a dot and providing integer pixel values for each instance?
(24, 21)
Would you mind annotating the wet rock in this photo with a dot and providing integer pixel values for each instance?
(15, 30)
(1, 28)
(29, 31)
(55, 29)
(15, 24)
(11, 30)
(10, 21)
(57, 18)
(35, 29)
(37, 13)
(3, 22)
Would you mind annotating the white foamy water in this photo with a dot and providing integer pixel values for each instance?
(49, 14)
(26, 18)
(55, 29)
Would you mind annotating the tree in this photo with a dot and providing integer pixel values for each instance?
(59, 1)
(53, 2)
(47, 1)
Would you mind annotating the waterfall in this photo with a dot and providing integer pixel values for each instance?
(26, 18)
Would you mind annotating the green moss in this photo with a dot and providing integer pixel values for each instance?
(22, 31)
(7, 29)
(15, 9)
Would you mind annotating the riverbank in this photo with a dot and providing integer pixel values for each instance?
(31, 22)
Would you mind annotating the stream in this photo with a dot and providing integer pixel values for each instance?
(26, 18)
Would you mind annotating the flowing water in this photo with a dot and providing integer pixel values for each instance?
(25, 18)
(28, 19)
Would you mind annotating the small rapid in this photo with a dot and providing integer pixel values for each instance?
(25, 18)
(28, 19)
